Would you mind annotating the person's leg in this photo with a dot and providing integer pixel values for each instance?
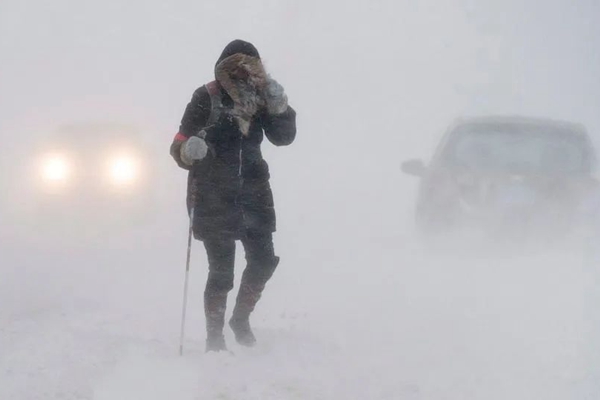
(261, 263)
(221, 260)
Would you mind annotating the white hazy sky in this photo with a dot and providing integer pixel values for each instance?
(414, 64)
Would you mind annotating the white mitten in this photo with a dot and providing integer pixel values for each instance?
(192, 150)
(275, 97)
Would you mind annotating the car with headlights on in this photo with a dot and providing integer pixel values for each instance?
(503, 174)
(84, 179)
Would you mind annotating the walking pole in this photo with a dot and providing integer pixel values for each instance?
(187, 274)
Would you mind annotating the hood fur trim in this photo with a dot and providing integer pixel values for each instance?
(244, 78)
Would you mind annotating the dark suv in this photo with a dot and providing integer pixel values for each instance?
(505, 172)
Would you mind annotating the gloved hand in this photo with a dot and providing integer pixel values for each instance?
(275, 97)
(193, 149)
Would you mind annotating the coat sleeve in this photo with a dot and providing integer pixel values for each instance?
(280, 129)
(193, 121)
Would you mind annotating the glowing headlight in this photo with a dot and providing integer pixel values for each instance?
(123, 170)
(55, 169)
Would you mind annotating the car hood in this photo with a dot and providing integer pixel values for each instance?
(509, 190)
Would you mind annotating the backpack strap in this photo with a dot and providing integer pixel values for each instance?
(216, 104)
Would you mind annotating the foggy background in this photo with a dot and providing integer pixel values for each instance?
(358, 308)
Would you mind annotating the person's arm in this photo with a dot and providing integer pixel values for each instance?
(280, 129)
(193, 121)
(279, 119)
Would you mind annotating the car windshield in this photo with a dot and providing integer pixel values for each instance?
(518, 149)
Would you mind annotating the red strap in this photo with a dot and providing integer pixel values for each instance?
(180, 137)
(213, 87)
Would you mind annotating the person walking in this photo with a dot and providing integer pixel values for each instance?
(229, 195)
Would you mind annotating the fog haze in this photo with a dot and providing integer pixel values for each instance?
(360, 307)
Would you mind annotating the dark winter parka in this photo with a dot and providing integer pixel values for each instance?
(229, 188)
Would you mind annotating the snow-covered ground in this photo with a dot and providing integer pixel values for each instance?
(391, 320)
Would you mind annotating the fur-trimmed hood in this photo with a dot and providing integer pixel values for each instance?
(242, 75)
(238, 46)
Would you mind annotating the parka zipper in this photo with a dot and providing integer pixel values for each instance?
(241, 180)
(240, 156)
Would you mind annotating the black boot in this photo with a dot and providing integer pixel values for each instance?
(251, 288)
(215, 343)
(214, 309)
(247, 298)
